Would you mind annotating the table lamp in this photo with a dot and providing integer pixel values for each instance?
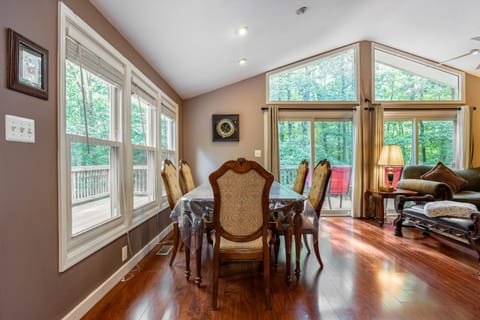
(391, 155)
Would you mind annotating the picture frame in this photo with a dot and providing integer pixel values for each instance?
(27, 66)
(225, 127)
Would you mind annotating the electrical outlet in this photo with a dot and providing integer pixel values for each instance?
(124, 253)
(19, 129)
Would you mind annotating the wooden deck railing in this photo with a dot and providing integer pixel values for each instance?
(287, 175)
(93, 182)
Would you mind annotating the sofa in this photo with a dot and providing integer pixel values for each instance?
(469, 192)
(463, 230)
(465, 188)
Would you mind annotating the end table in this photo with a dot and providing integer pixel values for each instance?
(379, 197)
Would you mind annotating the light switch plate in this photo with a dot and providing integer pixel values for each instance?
(19, 129)
(258, 153)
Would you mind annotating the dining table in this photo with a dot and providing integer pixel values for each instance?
(196, 206)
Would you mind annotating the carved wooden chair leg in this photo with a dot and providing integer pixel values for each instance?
(316, 250)
(209, 238)
(274, 226)
(276, 248)
(267, 282)
(305, 241)
(176, 239)
(216, 267)
(208, 230)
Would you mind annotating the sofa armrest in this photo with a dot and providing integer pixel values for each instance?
(439, 190)
(400, 201)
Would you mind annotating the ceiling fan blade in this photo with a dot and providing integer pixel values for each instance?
(478, 67)
(455, 58)
(473, 51)
(476, 38)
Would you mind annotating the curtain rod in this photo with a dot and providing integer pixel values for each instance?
(367, 108)
(420, 109)
(311, 109)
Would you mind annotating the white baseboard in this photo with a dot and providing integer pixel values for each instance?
(83, 307)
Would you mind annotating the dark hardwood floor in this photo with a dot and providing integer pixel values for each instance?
(369, 274)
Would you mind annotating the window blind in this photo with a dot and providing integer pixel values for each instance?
(168, 112)
(137, 90)
(83, 56)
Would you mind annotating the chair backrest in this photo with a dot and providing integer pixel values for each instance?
(170, 181)
(241, 191)
(301, 178)
(320, 177)
(340, 180)
(186, 178)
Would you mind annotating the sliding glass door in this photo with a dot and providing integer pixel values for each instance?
(294, 146)
(328, 135)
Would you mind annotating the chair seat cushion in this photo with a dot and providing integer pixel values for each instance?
(226, 245)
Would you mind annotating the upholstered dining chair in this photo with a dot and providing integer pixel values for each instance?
(241, 218)
(298, 187)
(316, 196)
(301, 177)
(172, 187)
(187, 183)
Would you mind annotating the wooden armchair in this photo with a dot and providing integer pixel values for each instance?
(301, 178)
(316, 196)
(298, 187)
(241, 218)
(187, 183)
(172, 187)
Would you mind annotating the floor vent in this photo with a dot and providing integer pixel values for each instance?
(164, 250)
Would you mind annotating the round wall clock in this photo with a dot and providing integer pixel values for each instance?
(225, 127)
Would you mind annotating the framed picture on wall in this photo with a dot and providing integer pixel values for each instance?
(225, 127)
(27, 66)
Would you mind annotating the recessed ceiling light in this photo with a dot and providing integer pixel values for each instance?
(242, 61)
(242, 31)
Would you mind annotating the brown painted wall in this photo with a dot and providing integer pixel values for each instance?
(245, 98)
(32, 287)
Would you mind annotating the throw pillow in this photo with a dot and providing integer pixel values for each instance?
(449, 209)
(441, 173)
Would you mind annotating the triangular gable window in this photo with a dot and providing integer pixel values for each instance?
(325, 78)
(401, 77)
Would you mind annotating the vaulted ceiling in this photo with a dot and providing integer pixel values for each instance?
(193, 43)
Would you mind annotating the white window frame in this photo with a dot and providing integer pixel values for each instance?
(422, 61)
(75, 248)
(419, 115)
(152, 145)
(355, 46)
(172, 152)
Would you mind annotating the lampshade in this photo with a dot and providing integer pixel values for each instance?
(391, 155)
